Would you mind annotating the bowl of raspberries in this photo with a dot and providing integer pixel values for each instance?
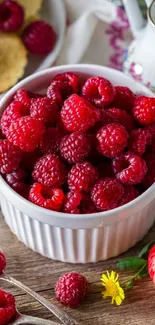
(77, 162)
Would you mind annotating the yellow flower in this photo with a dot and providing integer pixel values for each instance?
(113, 288)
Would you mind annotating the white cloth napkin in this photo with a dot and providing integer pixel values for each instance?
(84, 41)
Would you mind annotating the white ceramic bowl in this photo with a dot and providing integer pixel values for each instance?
(77, 238)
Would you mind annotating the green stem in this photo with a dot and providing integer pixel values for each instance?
(135, 275)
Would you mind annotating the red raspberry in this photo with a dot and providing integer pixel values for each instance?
(71, 78)
(86, 204)
(59, 91)
(39, 37)
(130, 193)
(151, 129)
(2, 262)
(139, 141)
(11, 16)
(99, 91)
(116, 115)
(106, 193)
(129, 168)
(150, 176)
(78, 115)
(26, 133)
(82, 177)
(71, 289)
(30, 158)
(17, 180)
(24, 97)
(124, 98)
(61, 126)
(113, 139)
(50, 142)
(10, 157)
(14, 111)
(49, 171)
(151, 263)
(75, 147)
(7, 307)
(44, 109)
(72, 202)
(45, 197)
(144, 110)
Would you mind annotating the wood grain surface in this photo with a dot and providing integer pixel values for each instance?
(40, 274)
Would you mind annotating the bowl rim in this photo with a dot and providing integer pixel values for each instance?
(65, 219)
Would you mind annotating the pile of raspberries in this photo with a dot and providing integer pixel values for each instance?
(84, 147)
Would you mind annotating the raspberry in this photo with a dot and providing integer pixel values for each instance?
(17, 179)
(71, 289)
(2, 262)
(59, 91)
(106, 193)
(14, 111)
(151, 129)
(99, 91)
(129, 168)
(116, 115)
(10, 157)
(86, 204)
(72, 202)
(130, 193)
(7, 307)
(24, 97)
(71, 78)
(50, 142)
(30, 158)
(112, 139)
(82, 177)
(49, 171)
(144, 110)
(151, 263)
(39, 37)
(75, 147)
(78, 115)
(11, 16)
(45, 197)
(139, 141)
(44, 109)
(124, 98)
(26, 133)
(150, 176)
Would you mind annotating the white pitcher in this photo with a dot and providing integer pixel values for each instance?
(140, 56)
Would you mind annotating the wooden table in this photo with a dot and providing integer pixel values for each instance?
(41, 274)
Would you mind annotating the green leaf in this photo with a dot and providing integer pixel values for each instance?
(130, 284)
(131, 263)
(143, 273)
(145, 249)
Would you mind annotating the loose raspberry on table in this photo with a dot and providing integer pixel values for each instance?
(130, 193)
(75, 147)
(11, 16)
(72, 202)
(116, 115)
(82, 177)
(79, 115)
(24, 97)
(17, 180)
(39, 37)
(139, 141)
(71, 78)
(59, 91)
(124, 98)
(2, 262)
(144, 110)
(151, 263)
(50, 171)
(30, 158)
(99, 91)
(10, 157)
(14, 111)
(44, 109)
(106, 193)
(26, 133)
(113, 139)
(7, 307)
(50, 142)
(129, 168)
(71, 289)
(150, 176)
(45, 197)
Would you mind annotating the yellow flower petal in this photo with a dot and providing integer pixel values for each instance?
(118, 300)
